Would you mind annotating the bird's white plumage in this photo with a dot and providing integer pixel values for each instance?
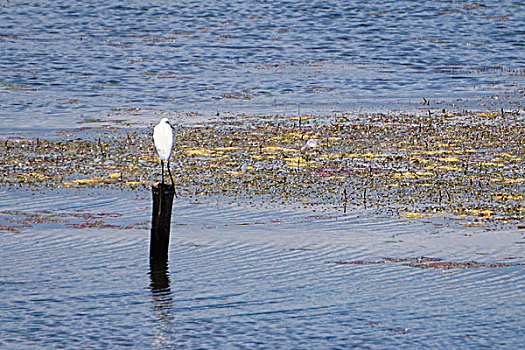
(310, 144)
(163, 139)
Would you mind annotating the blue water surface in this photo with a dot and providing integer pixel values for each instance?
(241, 277)
(64, 61)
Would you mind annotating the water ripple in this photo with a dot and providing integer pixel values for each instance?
(250, 277)
(86, 60)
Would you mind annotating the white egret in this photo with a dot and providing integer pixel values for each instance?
(310, 144)
(163, 139)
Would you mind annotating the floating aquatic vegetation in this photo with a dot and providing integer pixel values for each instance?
(424, 262)
(465, 167)
(19, 220)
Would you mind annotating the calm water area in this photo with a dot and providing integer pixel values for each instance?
(74, 267)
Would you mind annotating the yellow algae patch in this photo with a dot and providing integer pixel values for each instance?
(436, 152)
(443, 167)
(474, 224)
(225, 149)
(448, 168)
(353, 155)
(277, 149)
(509, 197)
(295, 162)
(134, 183)
(235, 173)
(487, 114)
(508, 155)
(442, 144)
(420, 160)
(416, 215)
(294, 135)
(460, 216)
(87, 181)
(491, 164)
(36, 176)
(450, 159)
(480, 212)
(513, 181)
(405, 175)
(198, 152)
(306, 116)
(92, 181)
(368, 155)
(147, 157)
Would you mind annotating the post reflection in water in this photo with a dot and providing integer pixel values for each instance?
(160, 290)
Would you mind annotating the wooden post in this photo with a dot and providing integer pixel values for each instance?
(161, 222)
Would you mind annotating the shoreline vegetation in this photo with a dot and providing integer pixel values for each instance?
(465, 166)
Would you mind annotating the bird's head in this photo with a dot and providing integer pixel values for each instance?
(166, 121)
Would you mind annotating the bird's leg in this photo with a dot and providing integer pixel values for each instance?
(162, 171)
(169, 172)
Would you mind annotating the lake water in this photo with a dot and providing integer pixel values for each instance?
(74, 264)
(63, 62)
(241, 277)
